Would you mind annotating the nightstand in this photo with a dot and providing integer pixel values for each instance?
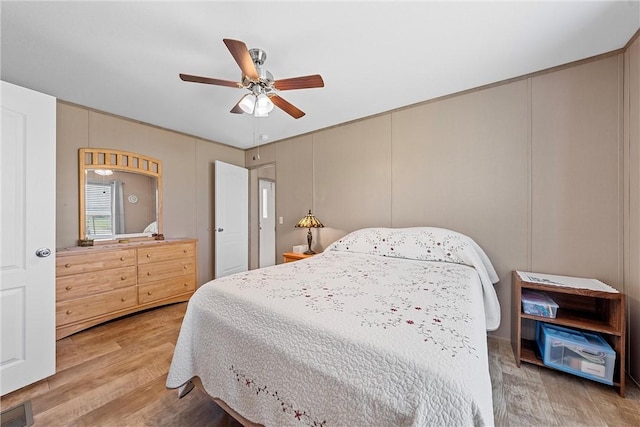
(596, 309)
(292, 256)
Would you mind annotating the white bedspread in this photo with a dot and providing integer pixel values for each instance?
(347, 338)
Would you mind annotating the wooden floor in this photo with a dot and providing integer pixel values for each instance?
(114, 375)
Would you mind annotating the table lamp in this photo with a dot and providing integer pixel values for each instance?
(309, 221)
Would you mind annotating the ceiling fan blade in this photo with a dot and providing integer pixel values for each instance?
(236, 109)
(240, 53)
(304, 82)
(209, 81)
(286, 106)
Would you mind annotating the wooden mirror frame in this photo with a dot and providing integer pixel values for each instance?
(104, 158)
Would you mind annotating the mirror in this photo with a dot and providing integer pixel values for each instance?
(120, 195)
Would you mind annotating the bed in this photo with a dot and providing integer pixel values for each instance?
(387, 327)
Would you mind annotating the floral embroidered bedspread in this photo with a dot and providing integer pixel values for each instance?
(366, 333)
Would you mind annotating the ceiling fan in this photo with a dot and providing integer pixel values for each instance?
(262, 97)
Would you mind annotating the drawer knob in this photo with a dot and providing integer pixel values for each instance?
(67, 265)
(123, 299)
(68, 288)
(121, 258)
(148, 255)
(149, 293)
(184, 251)
(148, 273)
(68, 311)
(185, 284)
(123, 278)
(185, 267)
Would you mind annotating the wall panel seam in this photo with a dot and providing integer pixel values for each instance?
(391, 170)
(529, 173)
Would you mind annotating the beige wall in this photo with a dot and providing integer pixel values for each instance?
(351, 178)
(632, 208)
(187, 164)
(531, 169)
(577, 175)
(294, 190)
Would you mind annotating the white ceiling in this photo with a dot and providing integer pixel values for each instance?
(124, 58)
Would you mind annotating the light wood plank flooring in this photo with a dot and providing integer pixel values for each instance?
(114, 375)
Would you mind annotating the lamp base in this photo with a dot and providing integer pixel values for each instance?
(309, 237)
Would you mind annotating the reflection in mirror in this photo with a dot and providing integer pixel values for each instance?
(120, 195)
(119, 203)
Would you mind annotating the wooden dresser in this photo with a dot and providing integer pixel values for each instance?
(99, 283)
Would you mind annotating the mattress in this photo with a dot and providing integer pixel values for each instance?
(386, 327)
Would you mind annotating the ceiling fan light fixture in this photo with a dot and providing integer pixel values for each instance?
(248, 103)
(103, 172)
(263, 105)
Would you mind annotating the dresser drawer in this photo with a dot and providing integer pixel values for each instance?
(85, 262)
(166, 253)
(177, 268)
(85, 308)
(85, 284)
(165, 289)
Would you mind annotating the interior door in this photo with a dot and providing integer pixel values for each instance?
(27, 237)
(267, 217)
(231, 219)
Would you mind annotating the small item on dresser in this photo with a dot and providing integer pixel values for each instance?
(299, 249)
(538, 304)
(85, 242)
(578, 352)
(158, 236)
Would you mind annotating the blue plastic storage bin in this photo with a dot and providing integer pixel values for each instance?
(577, 352)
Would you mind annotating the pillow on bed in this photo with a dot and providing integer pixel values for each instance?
(421, 243)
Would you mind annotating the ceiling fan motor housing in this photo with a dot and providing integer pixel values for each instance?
(258, 56)
(265, 78)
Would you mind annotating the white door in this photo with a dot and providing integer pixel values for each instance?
(231, 219)
(267, 217)
(27, 235)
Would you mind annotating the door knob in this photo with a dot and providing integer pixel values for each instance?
(220, 229)
(43, 252)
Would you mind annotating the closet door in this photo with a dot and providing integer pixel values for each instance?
(27, 236)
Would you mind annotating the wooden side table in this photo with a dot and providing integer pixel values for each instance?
(593, 310)
(292, 256)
